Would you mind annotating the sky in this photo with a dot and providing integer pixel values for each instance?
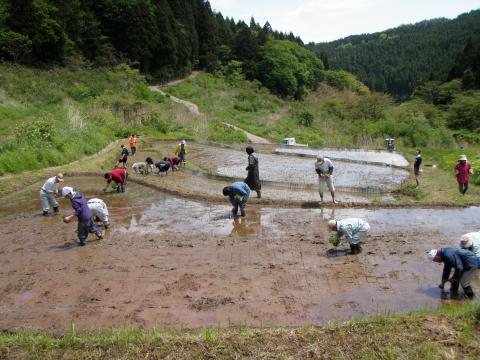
(327, 20)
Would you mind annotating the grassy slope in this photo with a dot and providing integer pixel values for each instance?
(450, 333)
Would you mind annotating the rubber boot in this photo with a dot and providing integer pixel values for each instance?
(45, 213)
(469, 292)
(259, 194)
(454, 290)
(55, 209)
(355, 249)
(242, 212)
(235, 210)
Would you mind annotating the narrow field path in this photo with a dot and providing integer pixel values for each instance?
(252, 138)
(193, 108)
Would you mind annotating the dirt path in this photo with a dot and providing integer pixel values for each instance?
(193, 108)
(252, 138)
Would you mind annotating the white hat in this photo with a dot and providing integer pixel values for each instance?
(463, 157)
(332, 224)
(431, 254)
(66, 190)
(183, 142)
(59, 177)
(466, 241)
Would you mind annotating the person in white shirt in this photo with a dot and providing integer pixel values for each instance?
(324, 169)
(48, 192)
(471, 241)
(99, 211)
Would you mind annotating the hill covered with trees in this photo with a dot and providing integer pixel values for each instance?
(163, 38)
(398, 59)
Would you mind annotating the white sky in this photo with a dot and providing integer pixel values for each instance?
(326, 20)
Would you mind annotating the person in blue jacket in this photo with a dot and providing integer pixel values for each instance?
(238, 194)
(463, 262)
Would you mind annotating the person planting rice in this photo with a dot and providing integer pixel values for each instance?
(99, 211)
(463, 262)
(48, 192)
(142, 168)
(174, 161)
(349, 231)
(162, 167)
(83, 213)
(238, 194)
(324, 169)
(119, 177)
(471, 242)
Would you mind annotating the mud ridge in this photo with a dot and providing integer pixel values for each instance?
(280, 203)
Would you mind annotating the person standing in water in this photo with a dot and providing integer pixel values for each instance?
(181, 152)
(48, 192)
(253, 177)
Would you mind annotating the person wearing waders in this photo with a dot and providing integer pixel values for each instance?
(48, 192)
(416, 166)
(253, 176)
(83, 213)
(463, 262)
(119, 176)
(99, 211)
(471, 242)
(132, 140)
(181, 152)
(463, 169)
(349, 231)
(324, 169)
(238, 194)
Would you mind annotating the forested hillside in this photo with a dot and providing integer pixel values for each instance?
(398, 59)
(163, 38)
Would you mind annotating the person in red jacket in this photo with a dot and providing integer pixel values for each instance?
(119, 176)
(463, 169)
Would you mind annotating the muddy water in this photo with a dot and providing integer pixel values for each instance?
(289, 169)
(384, 157)
(171, 262)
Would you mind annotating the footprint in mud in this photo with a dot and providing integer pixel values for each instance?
(335, 253)
(207, 303)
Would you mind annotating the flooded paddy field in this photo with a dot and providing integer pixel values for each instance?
(298, 170)
(170, 262)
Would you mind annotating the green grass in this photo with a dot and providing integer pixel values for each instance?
(449, 333)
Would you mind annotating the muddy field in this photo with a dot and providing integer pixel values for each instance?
(169, 262)
(299, 170)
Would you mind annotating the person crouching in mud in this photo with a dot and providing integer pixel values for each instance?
(238, 194)
(83, 213)
(99, 211)
(119, 176)
(253, 177)
(349, 231)
(463, 262)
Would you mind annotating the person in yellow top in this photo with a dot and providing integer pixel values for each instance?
(133, 143)
(181, 151)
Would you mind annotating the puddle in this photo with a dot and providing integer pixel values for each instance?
(168, 261)
(383, 157)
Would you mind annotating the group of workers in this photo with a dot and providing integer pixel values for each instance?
(463, 260)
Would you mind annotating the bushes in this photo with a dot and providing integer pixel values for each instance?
(344, 80)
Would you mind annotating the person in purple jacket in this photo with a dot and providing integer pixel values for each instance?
(82, 213)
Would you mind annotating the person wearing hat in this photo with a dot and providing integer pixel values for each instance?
(324, 169)
(253, 176)
(48, 192)
(83, 213)
(471, 242)
(349, 231)
(463, 262)
(238, 194)
(463, 169)
(181, 151)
